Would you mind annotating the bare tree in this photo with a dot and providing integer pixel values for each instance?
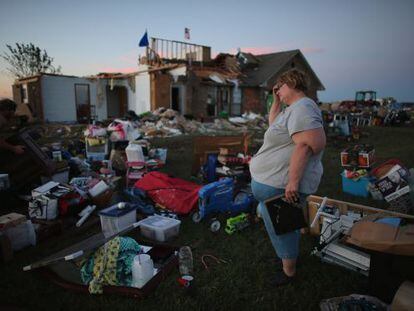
(28, 60)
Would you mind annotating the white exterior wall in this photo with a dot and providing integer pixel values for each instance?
(58, 97)
(100, 95)
(143, 91)
(59, 102)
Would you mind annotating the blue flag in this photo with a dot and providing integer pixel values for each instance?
(144, 40)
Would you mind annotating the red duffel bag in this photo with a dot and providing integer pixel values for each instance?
(177, 195)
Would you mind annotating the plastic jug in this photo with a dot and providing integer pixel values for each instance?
(134, 153)
(142, 270)
(185, 260)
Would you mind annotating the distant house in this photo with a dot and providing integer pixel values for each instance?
(173, 74)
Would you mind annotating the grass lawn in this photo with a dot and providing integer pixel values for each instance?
(239, 284)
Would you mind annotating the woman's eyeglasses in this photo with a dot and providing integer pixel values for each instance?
(277, 87)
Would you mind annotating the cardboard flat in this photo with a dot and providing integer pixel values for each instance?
(381, 237)
(404, 298)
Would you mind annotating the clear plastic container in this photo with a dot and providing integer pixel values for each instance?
(160, 228)
(185, 260)
(134, 153)
(115, 219)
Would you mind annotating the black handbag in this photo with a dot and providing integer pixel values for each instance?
(286, 217)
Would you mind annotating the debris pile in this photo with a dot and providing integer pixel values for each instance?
(167, 122)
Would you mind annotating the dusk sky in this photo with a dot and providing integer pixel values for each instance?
(351, 45)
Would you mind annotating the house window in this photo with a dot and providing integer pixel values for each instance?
(23, 94)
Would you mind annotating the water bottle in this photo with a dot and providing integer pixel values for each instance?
(185, 260)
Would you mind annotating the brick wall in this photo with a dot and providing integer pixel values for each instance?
(251, 100)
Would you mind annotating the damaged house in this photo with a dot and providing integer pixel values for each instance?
(260, 72)
(173, 74)
(183, 77)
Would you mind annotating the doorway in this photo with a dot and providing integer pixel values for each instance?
(116, 101)
(177, 99)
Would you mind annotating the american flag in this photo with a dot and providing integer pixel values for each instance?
(187, 33)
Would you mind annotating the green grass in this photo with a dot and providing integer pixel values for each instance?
(239, 284)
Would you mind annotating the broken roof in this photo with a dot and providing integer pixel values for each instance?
(214, 74)
(267, 65)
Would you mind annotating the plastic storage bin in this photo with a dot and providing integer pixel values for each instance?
(356, 187)
(22, 235)
(160, 228)
(135, 153)
(115, 219)
(96, 148)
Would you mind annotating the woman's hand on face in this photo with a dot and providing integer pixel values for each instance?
(276, 98)
(292, 192)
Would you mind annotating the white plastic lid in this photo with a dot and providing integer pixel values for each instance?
(159, 222)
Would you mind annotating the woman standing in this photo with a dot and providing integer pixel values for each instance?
(289, 161)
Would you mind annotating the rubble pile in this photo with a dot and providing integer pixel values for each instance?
(167, 122)
(161, 123)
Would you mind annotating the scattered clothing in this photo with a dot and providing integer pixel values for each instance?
(111, 264)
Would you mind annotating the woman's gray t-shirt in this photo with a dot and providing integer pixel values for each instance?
(270, 165)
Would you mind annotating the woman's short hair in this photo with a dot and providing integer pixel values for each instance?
(7, 105)
(295, 79)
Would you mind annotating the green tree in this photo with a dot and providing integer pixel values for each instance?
(27, 60)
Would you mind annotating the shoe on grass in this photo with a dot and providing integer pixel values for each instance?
(281, 279)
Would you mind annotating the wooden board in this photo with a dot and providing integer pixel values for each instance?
(313, 202)
(203, 145)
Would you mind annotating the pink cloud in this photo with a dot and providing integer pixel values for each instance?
(130, 57)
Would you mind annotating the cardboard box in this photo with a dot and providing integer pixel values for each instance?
(365, 159)
(43, 207)
(394, 183)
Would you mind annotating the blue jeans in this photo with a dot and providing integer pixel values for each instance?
(286, 245)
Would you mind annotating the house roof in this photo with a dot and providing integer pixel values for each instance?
(34, 77)
(267, 65)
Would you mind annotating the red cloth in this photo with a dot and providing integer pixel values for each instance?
(177, 195)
